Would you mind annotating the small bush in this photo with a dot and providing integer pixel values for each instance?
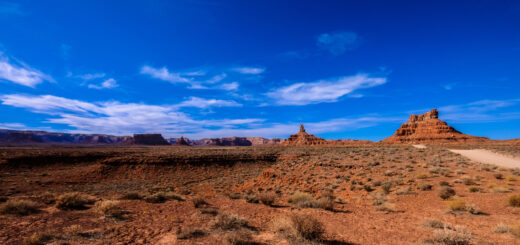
(239, 237)
(498, 176)
(457, 204)
(190, 233)
(386, 187)
(468, 181)
(199, 202)
(446, 192)
(444, 183)
(457, 236)
(267, 198)
(474, 189)
(307, 226)
(110, 208)
(514, 200)
(251, 198)
(422, 176)
(501, 228)
(424, 187)
(515, 230)
(226, 222)
(161, 197)
(37, 239)
(18, 207)
(387, 207)
(303, 200)
(510, 178)
(432, 223)
(404, 191)
(72, 200)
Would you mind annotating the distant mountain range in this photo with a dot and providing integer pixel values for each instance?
(19, 137)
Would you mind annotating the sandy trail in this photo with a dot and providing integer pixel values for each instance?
(489, 157)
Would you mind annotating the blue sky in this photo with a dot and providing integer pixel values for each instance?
(346, 69)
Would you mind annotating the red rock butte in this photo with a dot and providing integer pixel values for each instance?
(303, 138)
(427, 128)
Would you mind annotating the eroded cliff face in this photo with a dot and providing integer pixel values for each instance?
(428, 128)
(303, 138)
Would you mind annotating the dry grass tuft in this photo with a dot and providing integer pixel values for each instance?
(18, 207)
(239, 237)
(514, 200)
(72, 200)
(110, 208)
(190, 233)
(446, 192)
(307, 226)
(199, 202)
(267, 198)
(501, 228)
(227, 222)
(457, 236)
(433, 223)
(457, 204)
(38, 239)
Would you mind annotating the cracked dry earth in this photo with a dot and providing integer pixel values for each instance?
(379, 194)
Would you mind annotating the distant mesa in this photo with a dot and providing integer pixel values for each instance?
(230, 141)
(181, 142)
(427, 128)
(303, 138)
(149, 139)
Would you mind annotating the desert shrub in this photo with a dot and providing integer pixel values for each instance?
(457, 204)
(444, 183)
(446, 192)
(210, 211)
(251, 198)
(422, 176)
(457, 236)
(190, 233)
(498, 176)
(403, 191)
(468, 181)
(307, 226)
(199, 202)
(38, 239)
(3, 199)
(501, 189)
(72, 230)
(227, 222)
(131, 196)
(234, 196)
(432, 223)
(501, 228)
(387, 207)
(48, 198)
(514, 200)
(474, 189)
(424, 187)
(161, 197)
(239, 237)
(18, 207)
(510, 178)
(386, 187)
(72, 200)
(473, 209)
(267, 198)
(110, 208)
(302, 200)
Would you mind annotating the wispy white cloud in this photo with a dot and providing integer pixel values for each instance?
(165, 75)
(338, 43)
(249, 70)
(107, 84)
(89, 76)
(229, 86)
(12, 126)
(21, 73)
(481, 111)
(327, 90)
(205, 103)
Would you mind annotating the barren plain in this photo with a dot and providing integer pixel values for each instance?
(366, 194)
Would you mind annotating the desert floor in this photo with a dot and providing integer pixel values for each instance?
(367, 194)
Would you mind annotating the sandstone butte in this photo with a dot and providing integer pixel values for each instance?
(181, 142)
(303, 138)
(427, 128)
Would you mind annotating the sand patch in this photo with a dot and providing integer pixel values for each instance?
(489, 157)
(419, 146)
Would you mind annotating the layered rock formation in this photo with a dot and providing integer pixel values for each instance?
(427, 128)
(181, 142)
(303, 138)
(18, 137)
(231, 141)
(149, 139)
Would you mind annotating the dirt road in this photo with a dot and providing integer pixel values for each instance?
(489, 157)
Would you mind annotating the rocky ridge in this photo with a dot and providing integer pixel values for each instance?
(303, 138)
(428, 128)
